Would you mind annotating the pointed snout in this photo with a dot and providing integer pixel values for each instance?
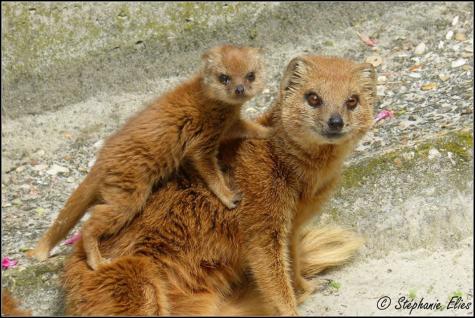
(335, 123)
(239, 90)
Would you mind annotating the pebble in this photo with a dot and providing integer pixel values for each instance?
(98, 144)
(420, 49)
(376, 60)
(415, 75)
(434, 153)
(382, 79)
(429, 86)
(408, 155)
(449, 35)
(380, 90)
(40, 167)
(455, 20)
(55, 169)
(20, 169)
(458, 63)
(443, 77)
(460, 37)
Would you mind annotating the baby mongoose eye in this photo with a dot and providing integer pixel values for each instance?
(313, 99)
(352, 102)
(251, 76)
(224, 79)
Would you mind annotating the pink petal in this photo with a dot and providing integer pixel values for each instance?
(367, 40)
(7, 262)
(383, 115)
(73, 239)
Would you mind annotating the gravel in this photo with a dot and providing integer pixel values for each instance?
(44, 157)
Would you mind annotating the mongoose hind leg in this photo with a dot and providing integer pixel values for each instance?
(109, 218)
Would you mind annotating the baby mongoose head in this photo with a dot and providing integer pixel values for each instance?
(327, 100)
(233, 74)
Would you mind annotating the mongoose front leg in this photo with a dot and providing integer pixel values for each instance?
(269, 264)
(305, 211)
(245, 128)
(208, 168)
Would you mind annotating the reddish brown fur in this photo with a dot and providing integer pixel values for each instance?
(207, 260)
(10, 307)
(187, 123)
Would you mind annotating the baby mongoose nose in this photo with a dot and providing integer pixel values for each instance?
(335, 123)
(239, 90)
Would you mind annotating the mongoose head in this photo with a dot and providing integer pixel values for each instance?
(233, 74)
(327, 100)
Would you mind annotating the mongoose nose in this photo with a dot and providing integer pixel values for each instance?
(335, 123)
(239, 90)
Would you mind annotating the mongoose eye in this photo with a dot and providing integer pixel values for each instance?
(251, 76)
(224, 79)
(314, 100)
(352, 102)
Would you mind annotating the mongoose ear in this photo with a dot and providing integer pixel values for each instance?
(294, 74)
(367, 79)
(209, 55)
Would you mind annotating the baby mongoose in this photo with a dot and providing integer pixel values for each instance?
(188, 122)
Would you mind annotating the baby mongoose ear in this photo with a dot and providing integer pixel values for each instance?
(210, 55)
(367, 79)
(294, 74)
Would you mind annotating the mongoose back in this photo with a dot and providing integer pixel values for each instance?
(188, 122)
(185, 253)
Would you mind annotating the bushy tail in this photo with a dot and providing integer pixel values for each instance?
(326, 247)
(321, 248)
(82, 198)
(10, 306)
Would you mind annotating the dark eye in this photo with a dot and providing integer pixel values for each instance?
(224, 79)
(313, 100)
(251, 76)
(352, 102)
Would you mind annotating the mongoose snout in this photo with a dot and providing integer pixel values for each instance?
(335, 123)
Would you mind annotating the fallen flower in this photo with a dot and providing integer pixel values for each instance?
(73, 239)
(383, 115)
(367, 40)
(7, 262)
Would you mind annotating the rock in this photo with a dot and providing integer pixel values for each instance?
(420, 49)
(415, 75)
(20, 169)
(455, 20)
(429, 86)
(443, 77)
(376, 60)
(40, 167)
(91, 163)
(434, 153)
(459, 36)
(98, 144)
(382, 79)
(55, 169)
(458, 63)
(449, 35)
(380, 90)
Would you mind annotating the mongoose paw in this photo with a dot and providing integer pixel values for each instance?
(304, 289)
(40, 254)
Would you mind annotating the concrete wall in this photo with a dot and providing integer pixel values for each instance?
(58, 53)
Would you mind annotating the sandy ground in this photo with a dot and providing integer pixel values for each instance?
(414, 209)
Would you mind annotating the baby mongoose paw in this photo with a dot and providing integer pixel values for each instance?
(38, 253)
(232, 200)
(94, 262)
(263, 132)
